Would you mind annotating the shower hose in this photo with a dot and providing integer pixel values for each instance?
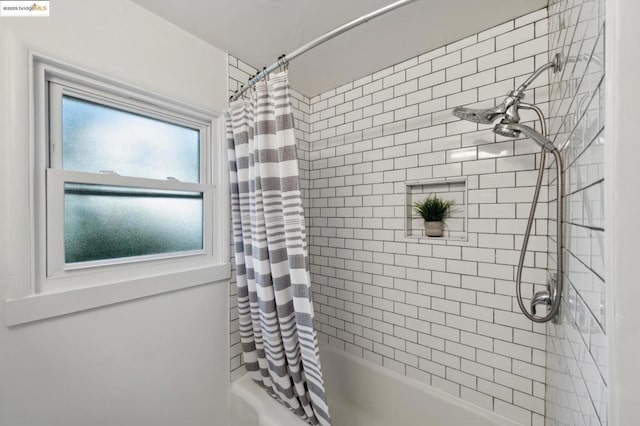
(555, 291)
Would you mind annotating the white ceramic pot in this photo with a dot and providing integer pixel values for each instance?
(433, 229)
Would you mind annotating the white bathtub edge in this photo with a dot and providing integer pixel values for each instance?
(255, 407)
(420, 386)
(268, 411)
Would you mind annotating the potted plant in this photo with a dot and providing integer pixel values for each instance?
(434, 211)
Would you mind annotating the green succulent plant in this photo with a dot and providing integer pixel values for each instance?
(433, 208)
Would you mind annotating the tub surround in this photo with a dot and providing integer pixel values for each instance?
(441, 312)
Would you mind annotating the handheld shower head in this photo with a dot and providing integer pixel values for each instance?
(513, 130)
(503, 129)
(510, 127)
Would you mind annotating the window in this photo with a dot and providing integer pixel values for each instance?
(126, 178)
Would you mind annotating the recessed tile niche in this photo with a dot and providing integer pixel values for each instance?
(454, 189)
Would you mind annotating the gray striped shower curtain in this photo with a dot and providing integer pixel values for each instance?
(279, 343)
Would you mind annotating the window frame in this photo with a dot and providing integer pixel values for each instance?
(47, 209)
(57, 176)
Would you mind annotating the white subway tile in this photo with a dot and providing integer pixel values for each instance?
(374, 86)
(444, 305)
(515, 69)
(431, 158)
(447, 88)
(479, 79)
(493, 32)
(479, 167)
(462, 70)
(514, 382)
(522, 353)
(461, 127)
(460, 377)
(429, 342)
(404, 88)
(502, 392)
(418, 96)
(530, 371)
(472, 39)
(518, 163)
(382, 95)
(382, 73)
(407, 112)
(461, 323)
(531, 17)
(432, 106)
(461, 98)
(528, 402)
(531, 47)
(432, 54)
(474, 339)
(445, 386)
(446, 61)
(496, 59)
(447, 170)
(418, 70)
(517, 36)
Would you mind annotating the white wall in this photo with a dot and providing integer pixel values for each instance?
(621, 198)
(153, 361)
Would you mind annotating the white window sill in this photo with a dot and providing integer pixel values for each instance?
(51, 304)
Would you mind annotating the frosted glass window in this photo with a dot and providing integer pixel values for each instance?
(96, 137)
(111, 222)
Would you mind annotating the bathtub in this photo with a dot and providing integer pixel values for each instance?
(362, 394)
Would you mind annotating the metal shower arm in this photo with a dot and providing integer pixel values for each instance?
(556, 65)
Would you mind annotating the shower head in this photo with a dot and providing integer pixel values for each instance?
(507, 110)
(481, 116)
(514, 130)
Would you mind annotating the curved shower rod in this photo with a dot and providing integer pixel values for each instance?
(284, 59)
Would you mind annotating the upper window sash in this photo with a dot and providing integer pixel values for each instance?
(58, 88)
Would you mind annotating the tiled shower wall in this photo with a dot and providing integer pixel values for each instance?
(576, 357)
(239, 73)
(439, 311)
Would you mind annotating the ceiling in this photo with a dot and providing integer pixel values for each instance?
(258, 31)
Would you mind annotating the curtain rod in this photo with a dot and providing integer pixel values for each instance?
(285, 59)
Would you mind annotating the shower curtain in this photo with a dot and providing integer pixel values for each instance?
(279, 343)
